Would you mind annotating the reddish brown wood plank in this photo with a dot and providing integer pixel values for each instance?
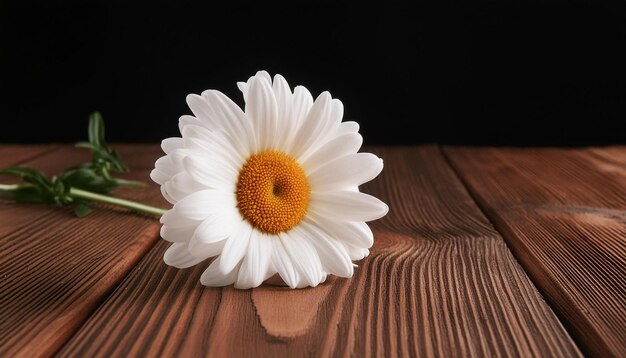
(11, 155)
(14, 154)
(55, 269)
(440, 282)
(563, 212)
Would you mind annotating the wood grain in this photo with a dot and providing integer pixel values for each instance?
(563, 212)
(11, 155)
(440, 281)
(55, 269)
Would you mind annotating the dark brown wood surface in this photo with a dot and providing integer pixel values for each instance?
(563, 213)
(440, 281)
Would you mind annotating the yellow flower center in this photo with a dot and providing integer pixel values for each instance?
(272, 192)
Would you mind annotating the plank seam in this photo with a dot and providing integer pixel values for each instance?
(505, 234)
(104, 298)
(475, 198)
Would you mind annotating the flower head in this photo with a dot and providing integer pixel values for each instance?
(272, 189)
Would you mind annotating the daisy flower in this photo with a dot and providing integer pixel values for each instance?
(271, 189)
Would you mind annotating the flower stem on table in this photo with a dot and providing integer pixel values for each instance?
(91, 196)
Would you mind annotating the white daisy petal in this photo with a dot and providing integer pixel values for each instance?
(169, 144)
(316, 122)
(187, 120)
(283, 263)
(347, 205)
(167, 196)
(173, 219)
(347, 127)
(209, 237)
(303, 256)
(205, 250)
(176, 234)
(201, 110)
(283, 96)
(356, 253)
(211, 151)
(202, 113)
(230, 119)
(159, 176)
(164, 170)
(326, 130)
(355, 233)
(338, 147)
(236, 247)
(214, 174)
(336, 111)
(243, 87)
(345, 172)
(218, 226)
(264, 75)
(261, 109)
(175, 163)
(301, 104)
(255, 265)
(181, 185)
(332, 254)
(212, 144)
(213, 277)
(202, 203)
(178, 256)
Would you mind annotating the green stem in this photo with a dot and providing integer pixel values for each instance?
(83, 194)
(79, 193)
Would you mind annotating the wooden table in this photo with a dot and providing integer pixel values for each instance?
(485, 252)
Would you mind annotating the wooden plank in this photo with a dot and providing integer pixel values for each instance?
(18, 155)
(563, 212)
(55, 269)
(14, 154)
(440, 282)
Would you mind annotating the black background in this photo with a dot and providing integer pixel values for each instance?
(478, 72)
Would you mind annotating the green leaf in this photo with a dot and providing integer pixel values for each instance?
(28, 175)
(7, 194)
(82, 209)
(109, 158)
(22, 171)
(87, 179)
(104, 159)
(26, 193)
(96, 130)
